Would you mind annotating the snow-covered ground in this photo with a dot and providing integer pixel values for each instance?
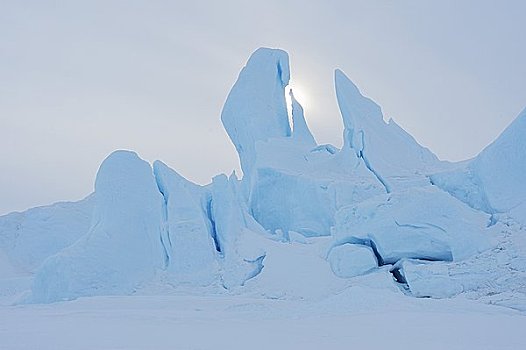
(369, 320)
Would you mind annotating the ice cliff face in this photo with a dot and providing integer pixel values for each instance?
(304, 221)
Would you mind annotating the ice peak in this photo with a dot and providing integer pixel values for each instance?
(301, 131)
(385, 148)
(355, 108)
(256, 109)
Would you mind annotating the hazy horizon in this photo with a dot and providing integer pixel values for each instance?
(79, 80)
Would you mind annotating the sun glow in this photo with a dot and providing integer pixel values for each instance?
(299, 95)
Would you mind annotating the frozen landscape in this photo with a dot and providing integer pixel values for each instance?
(377, 244)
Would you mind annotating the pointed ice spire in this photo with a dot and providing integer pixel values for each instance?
(256, 109)
(387, 150)
(355, 109)
(300, 131)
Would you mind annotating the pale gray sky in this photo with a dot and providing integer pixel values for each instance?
(79, 79)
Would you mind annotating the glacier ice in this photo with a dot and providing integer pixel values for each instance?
(256, 109)
(300, 130)
(390, 153)
(304, 220)
(494, 180)
(188, 239)
(427, 279)
(238, 264)
(288, 176)
(420, 223)
(122, 249)
(350, 260)
(28, 238)
(496, 276)
(501, 168)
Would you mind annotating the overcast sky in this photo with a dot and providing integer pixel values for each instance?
(81, 79)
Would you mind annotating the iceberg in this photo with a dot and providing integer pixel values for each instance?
(501, 169)
(351, 260)
(392, 155)
(238, 264)
(190, 250)
(494, 180)
(304, 220)
(255, 109)
(29, 238)
(419, 223)
(123, 247)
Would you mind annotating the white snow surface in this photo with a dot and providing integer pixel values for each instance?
(313, 247)
(359, 318)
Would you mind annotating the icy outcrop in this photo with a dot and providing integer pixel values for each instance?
(190, 245)
(28, 238)
(390, 153)
(428, 279)
(301, 188)
(240, 262)
(494, 180)
(501, 169)
(465, 185)
(288, 202)
(421, 223)
(256, 109)
(305, 221)
(123, 247)
(351, 260)
(284, 181)
(496, 276)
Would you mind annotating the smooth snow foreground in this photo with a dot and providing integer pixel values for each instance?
(336, 246)
(377, 321)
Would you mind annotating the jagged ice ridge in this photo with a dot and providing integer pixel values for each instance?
(303, 221)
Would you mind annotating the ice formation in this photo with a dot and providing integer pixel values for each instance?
(256, 108)
(390, 153)
(28, 238)
(124, 245)
(494, 180)
(304, 221)
(190, 252)
(300, 131)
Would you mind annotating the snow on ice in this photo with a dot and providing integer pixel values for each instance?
(304, 222)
